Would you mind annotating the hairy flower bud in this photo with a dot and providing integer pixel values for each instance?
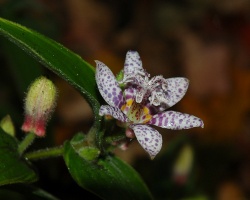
(39, 105)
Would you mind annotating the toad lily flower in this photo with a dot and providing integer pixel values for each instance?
(142, 102)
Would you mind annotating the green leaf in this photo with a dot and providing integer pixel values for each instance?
(56, 57)
(13, 169)
(24, 192)
(107, 177)
(19, 63)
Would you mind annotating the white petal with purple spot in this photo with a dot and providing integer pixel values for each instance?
(108, 86)
(176, 89)
(132, 63)
(176, 120)
(149, 138)
(129, 93)
(114, 112)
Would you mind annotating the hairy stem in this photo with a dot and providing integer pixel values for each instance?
(26, 142)
(45, 153)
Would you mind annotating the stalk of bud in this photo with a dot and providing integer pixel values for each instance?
(39, 105)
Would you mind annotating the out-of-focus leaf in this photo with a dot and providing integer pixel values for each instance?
(19, 65)
(201, 197)
(162, 177)
(13, 169)
(24, 192)
(107, 177)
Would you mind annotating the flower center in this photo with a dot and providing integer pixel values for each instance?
(153, 89)
(137, 113)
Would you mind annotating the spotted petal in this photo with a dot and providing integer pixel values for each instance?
(176, 89)
(176, 120)
(149, 138)
(129, 94)
(132, 63)
(114, 112)
(108, 86)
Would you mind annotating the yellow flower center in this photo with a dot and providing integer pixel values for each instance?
(136, 112)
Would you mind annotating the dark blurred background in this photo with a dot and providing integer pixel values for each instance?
(207, 41)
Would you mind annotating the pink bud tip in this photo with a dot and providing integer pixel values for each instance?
(39, 128)
(36, 126)
(180, 179)
(130, 133)
(27, 125)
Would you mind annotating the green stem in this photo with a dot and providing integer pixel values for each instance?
(115, 138)
(91, 136)
(26, 142)
(44, 153)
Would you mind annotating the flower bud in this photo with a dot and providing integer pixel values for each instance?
(39, 105)
(183, 165)
(89, 153)
(7, 125)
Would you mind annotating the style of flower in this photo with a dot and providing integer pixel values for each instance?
(142, 102)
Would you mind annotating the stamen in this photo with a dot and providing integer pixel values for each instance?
(153, 89)
(139, 96)
(130, 77)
